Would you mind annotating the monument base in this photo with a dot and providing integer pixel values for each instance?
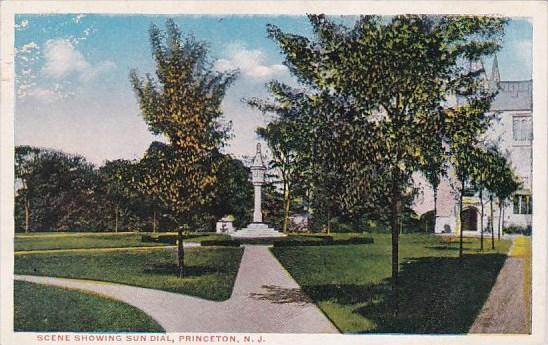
(257, 230)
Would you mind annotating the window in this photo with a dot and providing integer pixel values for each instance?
(523, 204)
(521, 128)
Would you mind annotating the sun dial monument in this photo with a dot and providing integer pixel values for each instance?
(257, 229)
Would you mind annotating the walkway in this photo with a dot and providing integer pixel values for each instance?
(265, 299)
(507, 307)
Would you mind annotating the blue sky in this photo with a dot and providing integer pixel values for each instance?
(73, 91)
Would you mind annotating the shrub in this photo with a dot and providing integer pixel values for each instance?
(166, 238)
(514, 229)
(352, 240)
(223, 243)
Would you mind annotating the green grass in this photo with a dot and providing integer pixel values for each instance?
(44, 241)
(210, 272)
(40, 308)
(439, 293)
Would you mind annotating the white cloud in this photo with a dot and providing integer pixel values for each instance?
(78, 18)
(250, 62)
(62, 59)
(22, 25)
(27, 48)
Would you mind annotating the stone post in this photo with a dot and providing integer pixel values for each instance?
(257, 212)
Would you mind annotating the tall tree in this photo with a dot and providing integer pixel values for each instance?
(183, 104)
(282, 142)
(115, 177)
(483, 175)
(59, 187)
(502, 183)
(234, 194)
(25, 160)
(375, 87)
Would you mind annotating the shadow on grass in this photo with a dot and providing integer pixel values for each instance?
(443, 248)
(189, 271)
(280, 295)
(437, 295)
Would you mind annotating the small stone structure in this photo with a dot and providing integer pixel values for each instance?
(225, 226)
(257, 229)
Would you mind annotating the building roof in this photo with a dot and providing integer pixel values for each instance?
(513, 95)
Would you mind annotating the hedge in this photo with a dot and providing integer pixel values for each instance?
(352, 240)
(166, 238)
(224, 243)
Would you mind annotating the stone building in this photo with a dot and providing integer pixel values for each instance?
(512, 131)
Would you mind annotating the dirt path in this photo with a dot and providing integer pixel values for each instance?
(505, 310)
(265, 299)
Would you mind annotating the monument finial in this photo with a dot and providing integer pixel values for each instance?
(258, 147)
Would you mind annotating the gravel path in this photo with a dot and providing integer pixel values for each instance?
(505, 310)
(265, 299)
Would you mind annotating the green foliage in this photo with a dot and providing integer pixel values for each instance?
(57, 190)
(372, 107)
(234, 192)
(183, 103)
(281, 138)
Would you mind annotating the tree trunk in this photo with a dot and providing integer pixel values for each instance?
(180, 254)
(154, 221)
(287, 202)
(492, 232)
(27, 216)
(395, 214)
(460, 218)
(116, 218)
(500, 218)
(435, 207)
(329, 219)
(502, 222)
(481, 220)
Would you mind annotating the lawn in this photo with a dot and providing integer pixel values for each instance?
(210, 272)
(42, 241)
(439, 293)
(74, 312)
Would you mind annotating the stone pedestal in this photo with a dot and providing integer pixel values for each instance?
(257, 229)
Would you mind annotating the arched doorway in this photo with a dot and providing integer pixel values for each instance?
(469, 219)
(427, 222)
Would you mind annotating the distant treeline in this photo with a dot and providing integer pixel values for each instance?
(56, 191)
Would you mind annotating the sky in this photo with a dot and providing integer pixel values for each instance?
(72, 76)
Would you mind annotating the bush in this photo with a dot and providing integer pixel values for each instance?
(331, 242)
(223, 243)
(166, 238)
(514, 229)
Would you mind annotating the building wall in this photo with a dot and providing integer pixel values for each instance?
(512, 133)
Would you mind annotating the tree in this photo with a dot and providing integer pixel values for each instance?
(283, 144)
(483, 176)
(371, 90)
(234, 194)
(115, 176)
(503, 182)
(25, 159)
(183, 104)
(58, 187)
